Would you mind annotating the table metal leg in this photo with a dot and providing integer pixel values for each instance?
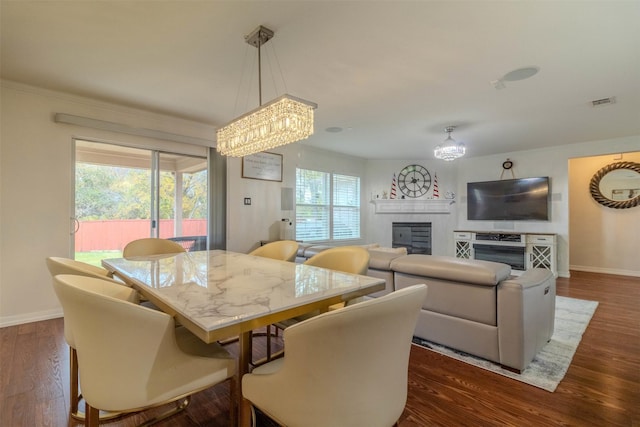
(244, 359)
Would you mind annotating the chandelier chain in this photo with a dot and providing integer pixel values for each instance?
(275, 56)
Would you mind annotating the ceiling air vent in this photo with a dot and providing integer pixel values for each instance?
(604, 101)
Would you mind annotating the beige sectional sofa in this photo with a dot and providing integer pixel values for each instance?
(473, 306)
(478, 308)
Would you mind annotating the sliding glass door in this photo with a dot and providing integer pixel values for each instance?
(123, 194)
(182, 205)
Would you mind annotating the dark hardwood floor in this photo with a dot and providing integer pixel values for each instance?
(601, 388)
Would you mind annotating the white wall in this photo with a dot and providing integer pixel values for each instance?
(247, 225)
(36, 186)
(611, 246)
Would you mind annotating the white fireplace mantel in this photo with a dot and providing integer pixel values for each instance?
(413, 206)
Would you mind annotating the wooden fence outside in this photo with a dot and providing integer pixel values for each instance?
(115, 234)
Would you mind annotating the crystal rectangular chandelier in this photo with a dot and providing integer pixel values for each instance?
(282, 121)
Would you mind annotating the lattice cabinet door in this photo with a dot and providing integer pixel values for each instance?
(463, 244)
(541, 252)
(541, 257)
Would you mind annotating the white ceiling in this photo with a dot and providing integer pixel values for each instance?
(392, 74)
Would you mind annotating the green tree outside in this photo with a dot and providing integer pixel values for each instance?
(108, 192)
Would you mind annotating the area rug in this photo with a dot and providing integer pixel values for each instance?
(550, 365)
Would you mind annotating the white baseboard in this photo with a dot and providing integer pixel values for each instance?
(589, 269)
(30, 317)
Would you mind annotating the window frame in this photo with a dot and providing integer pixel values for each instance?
(331, 206)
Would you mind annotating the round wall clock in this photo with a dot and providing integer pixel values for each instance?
(414, 181)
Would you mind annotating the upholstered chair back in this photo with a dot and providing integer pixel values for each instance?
(346, 367)
(284, 250)
(58, 265)
(151, 246)
(348, 259)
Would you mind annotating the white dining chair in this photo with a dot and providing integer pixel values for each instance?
(347, 259)
(131, 357)
(283, 250)
(61, 265)
(343, 368)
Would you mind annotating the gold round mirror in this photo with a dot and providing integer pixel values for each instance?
(617, 185)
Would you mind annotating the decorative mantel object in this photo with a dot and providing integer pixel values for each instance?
(436, 191)
(393, 187)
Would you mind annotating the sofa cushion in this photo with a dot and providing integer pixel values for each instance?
(381, 259)
(315, 249)
(303, 247)
(400, 251)
(307, 250)
(370, 246)
(485, 273)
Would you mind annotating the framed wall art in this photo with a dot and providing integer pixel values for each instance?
(264, 166)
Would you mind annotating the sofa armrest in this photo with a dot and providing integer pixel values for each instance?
(526, 311)
(381, 259)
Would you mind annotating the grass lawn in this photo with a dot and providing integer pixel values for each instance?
(96, 257)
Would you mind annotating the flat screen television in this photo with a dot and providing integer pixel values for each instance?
(524, 199)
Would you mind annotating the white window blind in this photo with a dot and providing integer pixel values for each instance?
(346, 207)
(327, 206)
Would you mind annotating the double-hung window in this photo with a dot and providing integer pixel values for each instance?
(327, 206)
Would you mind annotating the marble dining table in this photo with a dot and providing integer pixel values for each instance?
(219, 294)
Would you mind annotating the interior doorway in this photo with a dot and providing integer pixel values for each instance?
(602, 239)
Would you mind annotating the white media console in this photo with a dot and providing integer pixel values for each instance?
(521, 251)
